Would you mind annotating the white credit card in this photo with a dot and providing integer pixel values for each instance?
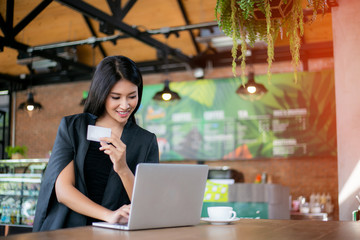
(94, 133)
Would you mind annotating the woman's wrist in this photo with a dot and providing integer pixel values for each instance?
(107, 215)
(124, 171)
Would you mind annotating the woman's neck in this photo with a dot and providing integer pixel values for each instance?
(110, 123)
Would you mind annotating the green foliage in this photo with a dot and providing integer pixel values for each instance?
(237, 20)
(16, 149)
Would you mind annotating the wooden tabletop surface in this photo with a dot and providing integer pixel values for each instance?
(245, 229)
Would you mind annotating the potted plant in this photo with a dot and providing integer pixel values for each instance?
(247, 21)
(16, 152)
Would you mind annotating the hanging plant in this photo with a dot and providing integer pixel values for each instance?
(247, 21)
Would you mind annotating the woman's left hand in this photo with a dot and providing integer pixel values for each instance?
(120, 215)
(116, 150)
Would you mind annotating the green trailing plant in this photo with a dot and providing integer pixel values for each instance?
(237, 20)
(16, 149)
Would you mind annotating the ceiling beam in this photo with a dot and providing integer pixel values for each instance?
(33, 14)
(9, 34)
(99, 15)
(117, 11)
(91, 28)
(114, 38)
(186, 18)
(3, 26)
(23, 47)
(9, 78)
(7, 27)
(127, 8)
(115, 7)
(10, 16)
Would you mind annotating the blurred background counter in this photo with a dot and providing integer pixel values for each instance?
(19, 189)
(226, 187)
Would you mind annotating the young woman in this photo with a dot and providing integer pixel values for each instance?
(88, 181)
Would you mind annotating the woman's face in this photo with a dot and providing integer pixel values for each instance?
(121, 101)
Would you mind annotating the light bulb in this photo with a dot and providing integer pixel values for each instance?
(251, 89)
(30, 107)
(166, 96)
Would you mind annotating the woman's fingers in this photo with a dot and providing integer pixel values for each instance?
(123, 214)
(126, 208)
(120, 215)
(105, 145)
(110, 148)
(114, 141)
(109, 141)
(125, 211)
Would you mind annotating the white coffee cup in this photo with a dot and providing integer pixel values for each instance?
(221, 213)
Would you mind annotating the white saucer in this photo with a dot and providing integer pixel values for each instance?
(220, 222)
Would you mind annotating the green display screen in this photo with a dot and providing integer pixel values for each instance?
(212, 122)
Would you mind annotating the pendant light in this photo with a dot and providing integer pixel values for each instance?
(166, 94)
(251, 90)
(30, 105)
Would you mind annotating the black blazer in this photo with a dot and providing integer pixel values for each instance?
(71, 144)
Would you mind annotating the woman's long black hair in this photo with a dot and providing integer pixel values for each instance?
(109, 71)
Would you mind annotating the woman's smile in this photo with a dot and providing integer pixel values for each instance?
(123, 114)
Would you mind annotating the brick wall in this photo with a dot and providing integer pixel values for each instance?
(38, 131)
(303, 175)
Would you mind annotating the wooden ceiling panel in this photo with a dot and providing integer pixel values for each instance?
(200, 10)
(56, 23)
(101, 5)
(21, 9)
(7, 59)
(135, 50)
(155, 14)
(319, 30)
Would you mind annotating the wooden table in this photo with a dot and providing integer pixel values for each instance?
(245, 229)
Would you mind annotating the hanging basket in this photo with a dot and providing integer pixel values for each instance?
(278, 8)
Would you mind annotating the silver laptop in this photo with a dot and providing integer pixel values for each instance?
(165, 195)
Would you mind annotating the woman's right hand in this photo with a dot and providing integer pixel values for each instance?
(119, 216)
